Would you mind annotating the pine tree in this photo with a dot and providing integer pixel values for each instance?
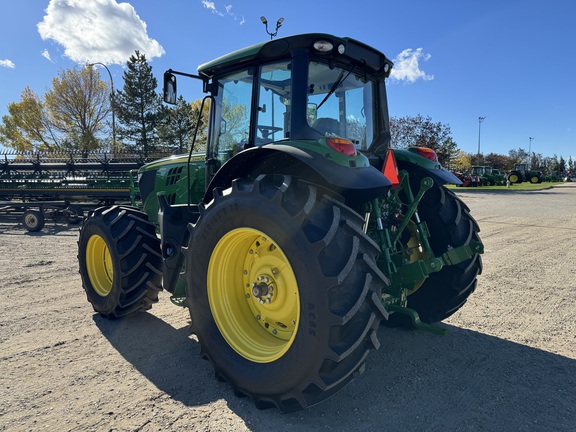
(138, 106)
(175, 128)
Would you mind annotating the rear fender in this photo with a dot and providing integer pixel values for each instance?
(411, 162)
(355, 184)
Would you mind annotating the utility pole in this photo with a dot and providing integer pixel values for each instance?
(530, 152)
(480, 120)
(111, 104)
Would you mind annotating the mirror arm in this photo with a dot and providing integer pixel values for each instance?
(185, 74)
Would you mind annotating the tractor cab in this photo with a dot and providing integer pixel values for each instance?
(315, 92)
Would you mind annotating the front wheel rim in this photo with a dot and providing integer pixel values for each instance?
(31, 220)
(253, 295)
(99, 265)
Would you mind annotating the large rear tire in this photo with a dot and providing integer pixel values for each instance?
(535, 179)
(283, 291)
(120, 261)
(515, 177)
(450, 225)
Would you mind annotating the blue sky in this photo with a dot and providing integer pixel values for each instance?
(511, 61)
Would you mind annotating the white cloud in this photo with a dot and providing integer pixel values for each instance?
(97, 31)
(7, 63)
(407, 67)
(46, 55)
(210, 5)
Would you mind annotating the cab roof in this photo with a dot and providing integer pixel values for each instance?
(354, 52)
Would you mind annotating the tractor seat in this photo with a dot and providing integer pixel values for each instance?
(327, 126)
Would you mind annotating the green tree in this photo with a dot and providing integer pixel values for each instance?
(498, 161)
(518, 156)
(77, 105)
(462, 161)
(561, 167)
(26, 127)
(138, 106)
(536, 160)
(70, 117)
(423, 132)
(177, 126)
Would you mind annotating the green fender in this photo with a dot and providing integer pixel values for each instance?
(355, 184)
(408, 159)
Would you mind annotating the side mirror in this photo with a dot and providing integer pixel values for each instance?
(312, 113)
(170, 88)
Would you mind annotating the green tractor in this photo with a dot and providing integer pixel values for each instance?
(521, 173)
(298, 231)
(488, 176)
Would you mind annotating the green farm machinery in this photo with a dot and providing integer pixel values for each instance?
(487, 176)
(38, 186)
(299, 230)
(521, 173)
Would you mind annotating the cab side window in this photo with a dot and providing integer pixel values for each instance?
(274, 103)
(232, 114)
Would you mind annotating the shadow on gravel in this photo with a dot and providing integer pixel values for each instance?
(165, 355)
(417, 381)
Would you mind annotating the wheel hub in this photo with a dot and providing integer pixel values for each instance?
(263, 289)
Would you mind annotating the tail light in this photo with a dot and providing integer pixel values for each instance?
(342, 145)
(426, 152)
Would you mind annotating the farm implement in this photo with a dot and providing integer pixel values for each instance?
(39, 186)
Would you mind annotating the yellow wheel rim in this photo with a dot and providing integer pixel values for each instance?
(513, 178)
(253, 295)
(99, 265)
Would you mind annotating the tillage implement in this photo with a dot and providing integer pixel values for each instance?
(297, 232)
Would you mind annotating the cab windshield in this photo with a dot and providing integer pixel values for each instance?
(257, 106)
(340, 103)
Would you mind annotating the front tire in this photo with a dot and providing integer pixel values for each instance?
(283, 291)
(120, 261)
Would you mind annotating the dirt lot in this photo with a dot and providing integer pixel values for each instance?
(508, 362)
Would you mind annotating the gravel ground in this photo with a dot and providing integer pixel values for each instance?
(508, 362)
